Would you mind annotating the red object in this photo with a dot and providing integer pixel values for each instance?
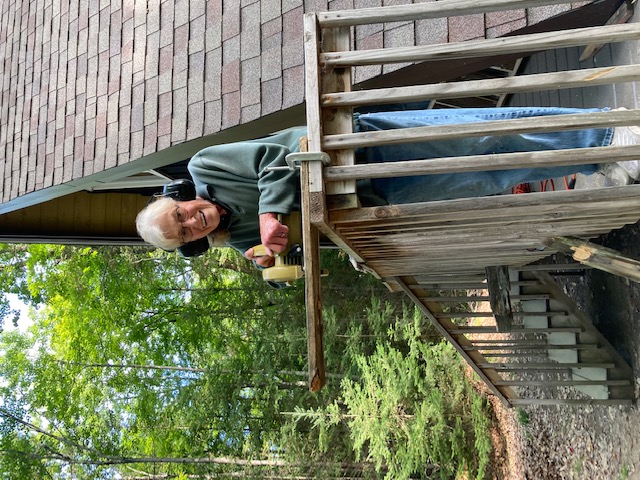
(521, 188)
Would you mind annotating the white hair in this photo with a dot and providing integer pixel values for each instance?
(151, 230)
(149, 226)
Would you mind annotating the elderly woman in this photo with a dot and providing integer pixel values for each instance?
(237, 199)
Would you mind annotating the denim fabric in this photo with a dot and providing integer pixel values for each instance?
(457, 185)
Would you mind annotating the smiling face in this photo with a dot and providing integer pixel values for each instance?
(191, 220)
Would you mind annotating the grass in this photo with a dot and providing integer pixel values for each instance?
(624, 472)
(522, 416)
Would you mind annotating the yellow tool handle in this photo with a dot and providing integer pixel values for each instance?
(260, 251)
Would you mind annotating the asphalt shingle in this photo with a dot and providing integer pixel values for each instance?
(86, 86)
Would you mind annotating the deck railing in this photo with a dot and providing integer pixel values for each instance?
(462, 237)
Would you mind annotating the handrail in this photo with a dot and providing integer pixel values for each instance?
(420, 11)
(499, 127)
(529, 43)
(474, 88)
(425, 249)
(480, 163)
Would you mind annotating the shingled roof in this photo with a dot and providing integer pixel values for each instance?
(89, 88)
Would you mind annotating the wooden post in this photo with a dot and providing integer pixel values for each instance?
(499, 285)
(312, 206)
(313, 297)
(596, 256)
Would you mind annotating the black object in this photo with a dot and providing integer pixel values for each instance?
(183, 190)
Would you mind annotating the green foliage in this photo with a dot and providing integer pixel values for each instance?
(624, 472)
(417, 409)
(409, 411)
(522, 416)
(136, 356)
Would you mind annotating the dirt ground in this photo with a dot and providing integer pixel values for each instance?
(583, 442)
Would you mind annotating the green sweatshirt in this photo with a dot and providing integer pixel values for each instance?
(233, 175)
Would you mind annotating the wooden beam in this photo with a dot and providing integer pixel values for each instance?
(312, 206)
(563, 383)
(559, 401)
(450, 8)
(520, 44)
(553, 123)
(481, 163)
(494, 86)
(313, 288)
(597, 256)
(499, 296)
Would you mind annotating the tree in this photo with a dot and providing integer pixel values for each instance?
(142, 361)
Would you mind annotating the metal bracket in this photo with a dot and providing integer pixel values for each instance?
(295, 159)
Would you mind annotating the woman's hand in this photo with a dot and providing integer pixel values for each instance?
(263, 261)
(273, 234)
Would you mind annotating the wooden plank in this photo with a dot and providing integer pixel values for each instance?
(455, 286)
(495, 234)
(597, 256)
(317, 212)
(554, 267)
(520, 355)
(494, 205)
(490, 314)
(66, 214)
(499, 298)
(544, 365)
(444, 278)
(567, 213)
(551, 123)
(312, 82)
(581, 346)
(450, 8)
(508, 341)
(99, 209)
(557, 401)
(130, 205)
(48, 213)
(520, 44)
(479, 298)
(461, 224)
(562, 383)
(494, 86)
(480, 330)
(481, 163)
(312, 207)
(313, 291)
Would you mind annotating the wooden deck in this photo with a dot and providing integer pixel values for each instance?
(429, 250)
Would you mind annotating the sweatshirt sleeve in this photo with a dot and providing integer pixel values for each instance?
(243, 164)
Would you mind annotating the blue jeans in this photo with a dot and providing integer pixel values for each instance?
(471, 184)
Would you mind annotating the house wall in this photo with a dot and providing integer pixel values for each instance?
(92, 90)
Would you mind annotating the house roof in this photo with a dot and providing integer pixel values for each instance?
(95, 91)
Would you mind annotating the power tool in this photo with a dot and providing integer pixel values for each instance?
(289, 262)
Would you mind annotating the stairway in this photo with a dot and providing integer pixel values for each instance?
(551, 354)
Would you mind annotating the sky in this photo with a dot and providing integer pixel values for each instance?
(16, 304)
